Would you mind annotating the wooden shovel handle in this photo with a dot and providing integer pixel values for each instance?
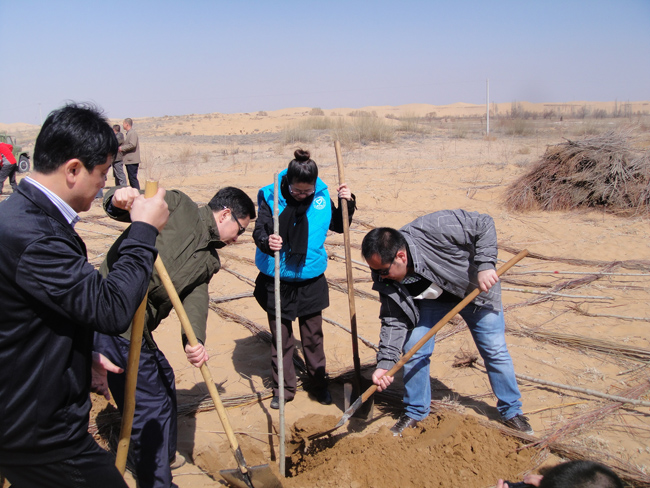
(133, 360)
(348, 271)
(205, 371)
(445, 319)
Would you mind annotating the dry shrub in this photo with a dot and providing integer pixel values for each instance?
(364, 130)
(516, 127)
(460, 129)
(603, 171)
(362, 113)
(293, 134)
(411, 123)
(589, 127)
(305, 130)
(186, 153)
(316, 123)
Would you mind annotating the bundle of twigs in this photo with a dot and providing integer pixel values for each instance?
(564, 285)
(578, 309)
(643, 265)
(589, 343)
(600, 171)
(587, 419)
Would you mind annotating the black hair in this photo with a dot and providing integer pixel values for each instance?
(580, 474)
(385, 242)
(236, 200)
(302, 169)
(117, 127)
(75, 131)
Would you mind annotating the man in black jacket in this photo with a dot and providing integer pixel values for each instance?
(52, 300)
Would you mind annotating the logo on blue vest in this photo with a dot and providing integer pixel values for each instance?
(319, 203)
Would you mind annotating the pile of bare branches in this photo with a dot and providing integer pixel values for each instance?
(604, 171)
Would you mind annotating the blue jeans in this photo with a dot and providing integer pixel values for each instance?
(488, 331)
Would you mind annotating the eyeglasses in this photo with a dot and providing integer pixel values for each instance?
(242, 229)
(301, 192)
(384, 271)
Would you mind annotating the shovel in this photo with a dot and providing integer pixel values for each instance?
(133, 361)
(368, 393)
(244, 476)
(351, 391)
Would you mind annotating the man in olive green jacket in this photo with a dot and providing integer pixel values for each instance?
(188, 248)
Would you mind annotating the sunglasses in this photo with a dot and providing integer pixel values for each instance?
(242, 229)
(384, 271)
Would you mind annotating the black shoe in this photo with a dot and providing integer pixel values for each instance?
(275, 402)
(323, 396)
(520, 423)
(404, 422)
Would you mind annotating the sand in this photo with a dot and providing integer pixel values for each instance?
(460, 444)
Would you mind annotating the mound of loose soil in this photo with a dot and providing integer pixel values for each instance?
(446, 449)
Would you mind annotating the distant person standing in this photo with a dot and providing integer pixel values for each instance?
(130, 150)
(8, 167)
(118, 164)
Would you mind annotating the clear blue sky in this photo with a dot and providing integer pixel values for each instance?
(153, 58)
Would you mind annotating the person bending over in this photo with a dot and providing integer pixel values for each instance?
(421, 272)
(188, 249)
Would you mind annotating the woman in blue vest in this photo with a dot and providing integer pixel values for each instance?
(306, 215)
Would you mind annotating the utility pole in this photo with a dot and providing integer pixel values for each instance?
(487, 107)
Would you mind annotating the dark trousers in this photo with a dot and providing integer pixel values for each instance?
(8, 170)
(132, 173)
(93, 467)
(154, 432)
(311, 335)
(118, 173)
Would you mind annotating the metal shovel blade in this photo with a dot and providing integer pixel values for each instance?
(346, 416)
(257, 477)
(351, 393)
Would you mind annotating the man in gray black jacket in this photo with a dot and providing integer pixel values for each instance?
(421, 272)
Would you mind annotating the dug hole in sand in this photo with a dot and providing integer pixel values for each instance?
(446, 449)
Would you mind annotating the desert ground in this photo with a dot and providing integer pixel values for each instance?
(577, 308)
